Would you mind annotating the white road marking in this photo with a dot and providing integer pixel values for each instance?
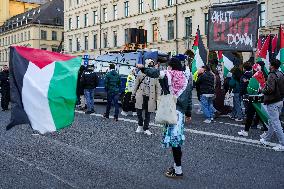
(219, 136)
(39, 168)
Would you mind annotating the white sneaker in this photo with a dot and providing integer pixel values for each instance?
(263, 135)
(243, 133)
(124, 113)
(147, 132)
(134, 114)
(238, 120)
(263, 142)
(139, 129)
(212, 119)
(279, 148)
(207, 121)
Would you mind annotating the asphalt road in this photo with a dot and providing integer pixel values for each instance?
(99, 153)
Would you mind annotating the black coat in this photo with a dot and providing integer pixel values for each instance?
(89, 79)
(205, 83)
(4, 80)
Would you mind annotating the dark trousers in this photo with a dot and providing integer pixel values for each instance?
(5, 99)
(128, 104)
(141, 121)
(177, 154)
(112, 98)
(251, 116)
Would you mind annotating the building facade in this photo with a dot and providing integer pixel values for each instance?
(97, 26)
(10, 8)
(41, 28)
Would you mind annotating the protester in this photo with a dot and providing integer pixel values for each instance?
(174, 81)
(89, 82)
(128, 104)
(5, 88)
(205, 87)
(235, 86)
(146, 92)
(273, 98)
(112, 87)
(80, 90)
(251, 111)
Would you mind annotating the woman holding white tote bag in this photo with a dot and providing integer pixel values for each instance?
(175, 88)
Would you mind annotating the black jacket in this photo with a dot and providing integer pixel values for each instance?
(4, 80)
(89, 79)
(244, 85)
(205, 83)
(274, 88)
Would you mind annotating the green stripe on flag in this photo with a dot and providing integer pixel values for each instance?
(194, 65)
(261, 112)
(62, 92)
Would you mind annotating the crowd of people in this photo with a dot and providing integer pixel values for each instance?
(147, 83)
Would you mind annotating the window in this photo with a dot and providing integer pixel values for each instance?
(86, 43)
(8, 40)
(0, 42)
(78, 1)
(29, 35)
(188, 26)
(70, 3)
(105, 14)
(95, 17)
(171, 30)
(86, 20)
(126, 36)
(115, 14)
(25, 36)
(77, 21)
(262, 16)
(105, 40)
(155, 32)
(140, 6)
(22, 37)
(95, 41)
(115, 38)
(43, 34)
(70, 45)
(77, 44)
(126, 8)
(54, 35)
(70, 23)
(170, 2)
(206, 23)
(154, 4)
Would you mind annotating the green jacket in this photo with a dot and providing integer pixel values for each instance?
(112, 82)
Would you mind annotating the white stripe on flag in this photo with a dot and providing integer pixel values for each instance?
(35, 97)
(199, 61)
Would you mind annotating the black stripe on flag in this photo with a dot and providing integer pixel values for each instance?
(18, 67)
(202, 51)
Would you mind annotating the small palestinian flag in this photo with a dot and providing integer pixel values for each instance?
(43, 88)
(280, 47)
(200, 53)
(264, 54)
(228, 59)
(255, 83)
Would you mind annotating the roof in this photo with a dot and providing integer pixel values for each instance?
(50, 13)
(34, 1)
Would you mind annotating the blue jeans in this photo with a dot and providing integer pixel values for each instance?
(89, 96)
(112, 98)
(274, 124)
(207, 106)
(237, 109)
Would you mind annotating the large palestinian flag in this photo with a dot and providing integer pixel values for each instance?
(264, 54)
(200, 53)
(227, 59)
(280, 47)
(255, 83)
(43, 88)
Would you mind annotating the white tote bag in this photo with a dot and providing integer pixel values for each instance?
(166, 111)
(229, 101)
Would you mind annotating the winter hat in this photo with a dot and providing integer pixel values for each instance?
(175, 64)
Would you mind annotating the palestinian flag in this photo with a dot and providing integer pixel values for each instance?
(255, 83)
(264, 54)
(43, 88)
(280, 47)
(200, 53)
(227, 59)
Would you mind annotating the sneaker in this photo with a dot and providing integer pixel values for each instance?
(263, 142)
(134, 114)
(115, 118)
(212, 119)
(88, 112)
(239, 120)
(279, 148)
(232, 117)
(139, 129)
(207, 121)
(243, 133)
(147, 132)
(106, 116)
(263, 135)
(173, 175)
(124, 113)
